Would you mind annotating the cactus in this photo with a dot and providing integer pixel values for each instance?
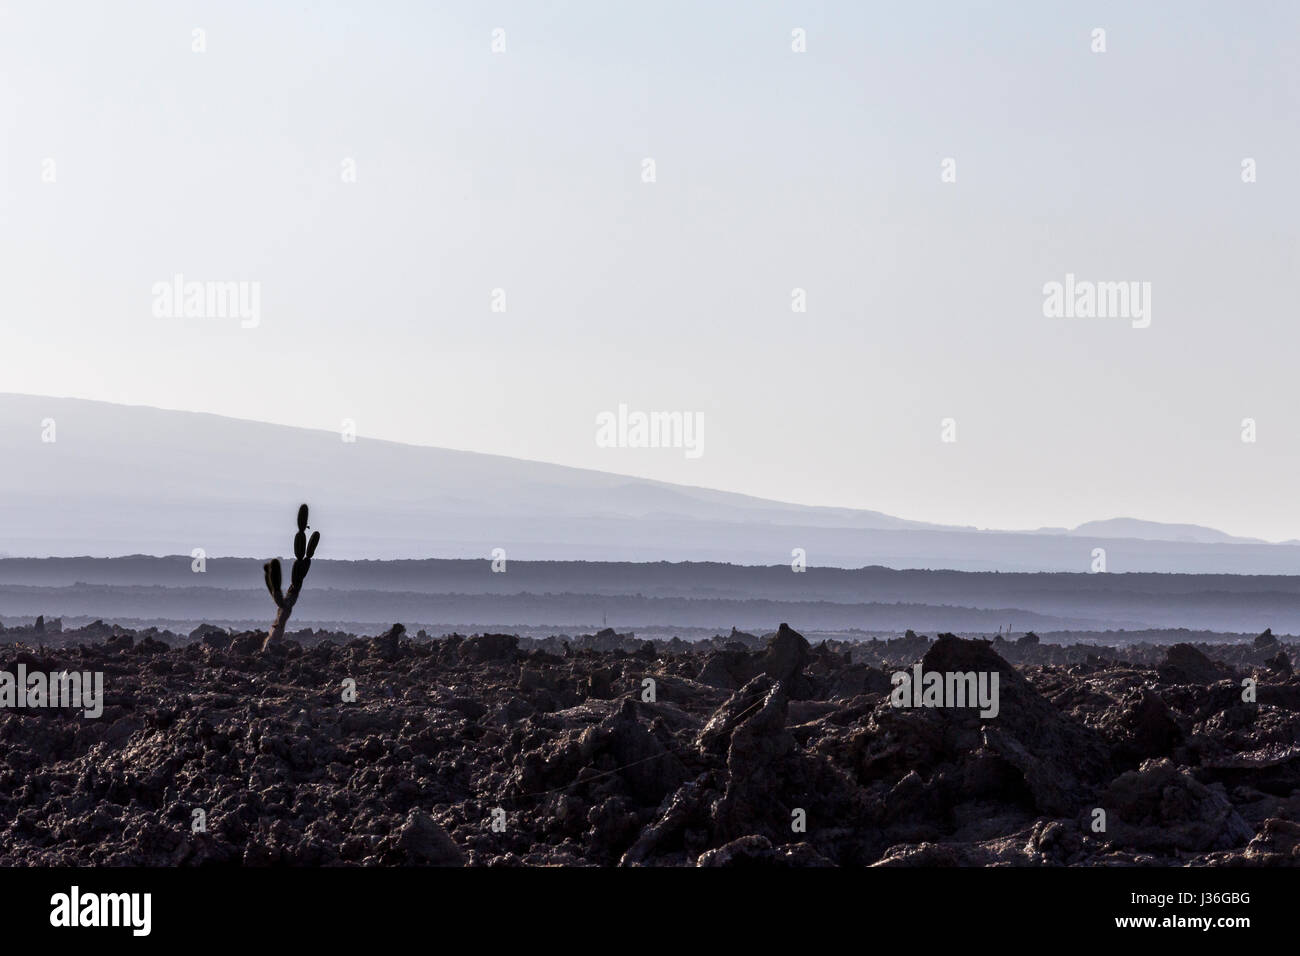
(303, 550)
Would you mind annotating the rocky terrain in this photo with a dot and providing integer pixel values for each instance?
(605, 750)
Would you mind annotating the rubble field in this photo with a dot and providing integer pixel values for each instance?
(605, 750)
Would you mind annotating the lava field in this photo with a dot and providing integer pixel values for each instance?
(605, 750)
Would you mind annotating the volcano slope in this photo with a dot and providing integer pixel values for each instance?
(604, 750)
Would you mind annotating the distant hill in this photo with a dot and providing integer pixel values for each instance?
(647, 597)
(122, 480)
(1157, 531)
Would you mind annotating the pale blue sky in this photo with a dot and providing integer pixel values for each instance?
(775, 170)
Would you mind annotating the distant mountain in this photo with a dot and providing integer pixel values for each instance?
(122, 479)
(1157, 531)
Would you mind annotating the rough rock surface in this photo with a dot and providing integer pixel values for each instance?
(605, 750)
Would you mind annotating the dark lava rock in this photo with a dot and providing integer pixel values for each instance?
(245, 644)
(755, 850)
(728, 668)
(715, 736)
(1144, 727)
(387, 646)
(785, 658)
(489, 647)
(1160, 807)
(426, 843)
(212, 636)
(750, 642)
(1279, 664)
(202, 632)
(648, 769)
(1266, 640)
(1030, 754)
(1276, 844)
(1184, 664)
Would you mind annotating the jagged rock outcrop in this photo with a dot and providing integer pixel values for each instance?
(1266, 640)
(1280, 664)
(1030, 755)
(426, 843)
(1162, 808)
(1184, 664)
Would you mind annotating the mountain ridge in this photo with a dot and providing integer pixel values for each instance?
(121, 479)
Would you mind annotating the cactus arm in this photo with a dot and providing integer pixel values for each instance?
(272, 570)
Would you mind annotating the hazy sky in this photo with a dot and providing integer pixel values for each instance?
(522, 170)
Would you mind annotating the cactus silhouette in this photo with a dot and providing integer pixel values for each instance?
(303, 549)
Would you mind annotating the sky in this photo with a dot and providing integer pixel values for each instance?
(127, 157)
